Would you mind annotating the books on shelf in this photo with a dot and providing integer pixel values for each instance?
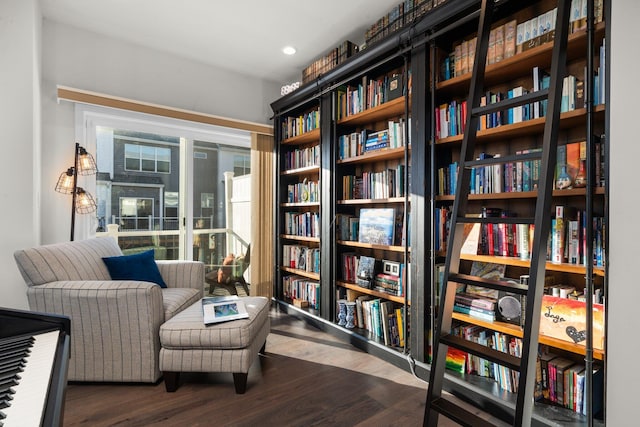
(303, 192)
(223, 309)
(306, 224)
(301, 257)
(377, 226)
(302, 157)
(297, 125)
(300, 288)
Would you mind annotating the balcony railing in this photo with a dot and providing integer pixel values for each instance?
(210, 245)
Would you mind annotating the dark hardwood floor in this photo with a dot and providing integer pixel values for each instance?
(305, 378)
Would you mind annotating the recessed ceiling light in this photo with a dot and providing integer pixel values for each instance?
(289, 50)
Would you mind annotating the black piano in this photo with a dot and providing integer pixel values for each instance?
(34, 359)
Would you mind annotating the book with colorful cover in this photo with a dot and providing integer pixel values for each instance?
(223, 309)
(377, 226)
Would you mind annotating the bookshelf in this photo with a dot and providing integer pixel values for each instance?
(372, 154)
(419, 53)
(512, 187)
(299, 229)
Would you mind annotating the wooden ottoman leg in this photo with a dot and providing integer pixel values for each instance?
(240, 382)
(171, 381)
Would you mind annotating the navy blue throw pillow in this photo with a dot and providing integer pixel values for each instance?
(140, 266)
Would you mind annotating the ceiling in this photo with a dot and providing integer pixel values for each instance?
(243, 36)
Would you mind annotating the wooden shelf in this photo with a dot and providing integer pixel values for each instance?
(308, 170)
(516, 331)
(517, 262)
(308, 274)
(567, 119)
(520, 64)
(300, 238)
(372, 292)
(300, 205)
(370, 201)
(381, 112)
(371, 246)
(573, 192)
(373, 156)
(311, 136)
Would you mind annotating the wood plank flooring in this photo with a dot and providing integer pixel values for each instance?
(305, 378)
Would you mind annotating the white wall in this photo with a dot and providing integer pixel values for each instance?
(623, 307)
(20, 125)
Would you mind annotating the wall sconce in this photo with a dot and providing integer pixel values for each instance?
(81, 202)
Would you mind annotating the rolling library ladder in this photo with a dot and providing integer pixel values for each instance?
(525, 365)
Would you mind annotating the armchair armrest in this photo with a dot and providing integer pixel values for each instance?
(114, 327)
(182, 274)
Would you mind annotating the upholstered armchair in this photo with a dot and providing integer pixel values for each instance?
(114, 323)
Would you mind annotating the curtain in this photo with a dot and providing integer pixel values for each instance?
(262, 224)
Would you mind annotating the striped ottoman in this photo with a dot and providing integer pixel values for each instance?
(187, 345)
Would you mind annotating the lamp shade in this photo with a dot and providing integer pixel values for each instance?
(65, 183)
(84, 202)
(86, 162)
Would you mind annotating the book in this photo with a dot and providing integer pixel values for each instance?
(366, 271)
(223, 309)
(557, 236)
(377, 226)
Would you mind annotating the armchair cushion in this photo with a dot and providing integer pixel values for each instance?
(141, 267)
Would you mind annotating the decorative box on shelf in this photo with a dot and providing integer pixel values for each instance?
(565, 319)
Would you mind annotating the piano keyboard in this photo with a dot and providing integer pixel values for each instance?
(26, 364)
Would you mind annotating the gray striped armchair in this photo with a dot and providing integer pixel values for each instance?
(115, 324)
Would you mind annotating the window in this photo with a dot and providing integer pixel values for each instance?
(241, 165)
(136, 213)
(146, 158)
(163, 183)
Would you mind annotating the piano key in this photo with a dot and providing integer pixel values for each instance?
(11, 373)
(20, 341)
(14, 353)
(29, 400)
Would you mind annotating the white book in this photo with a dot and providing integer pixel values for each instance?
(497, 176)
(534, 27)
(519, 34)
(517, 111)
(548, 21)
(527, 31)
(536, 87)
(223, 309)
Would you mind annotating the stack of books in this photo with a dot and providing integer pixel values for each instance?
(480, 307)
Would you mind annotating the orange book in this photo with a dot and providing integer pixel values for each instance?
(509, 39)
(499, 43)
(573, 159)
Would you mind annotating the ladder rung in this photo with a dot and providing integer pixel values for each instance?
(495, 356)
(533, 155)
(495, 220)
(505, 104)
(499, 285)
(459, 414)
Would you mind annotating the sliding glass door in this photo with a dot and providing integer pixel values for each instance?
(165, 184)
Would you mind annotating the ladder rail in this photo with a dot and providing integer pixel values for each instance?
(524, 403)
(439, 352)
(526, 363)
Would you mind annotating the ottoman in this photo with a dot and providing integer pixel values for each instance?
(187, 345)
